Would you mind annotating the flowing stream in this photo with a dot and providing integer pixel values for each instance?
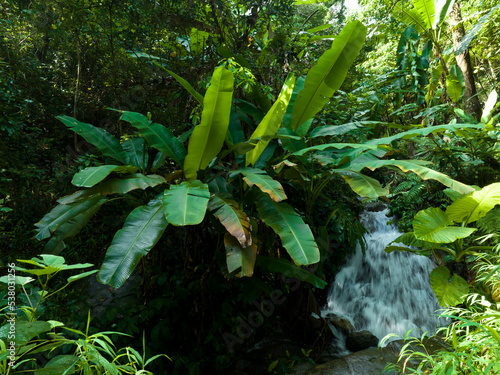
(383, 293)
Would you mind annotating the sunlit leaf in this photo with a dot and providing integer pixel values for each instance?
(474, 206)
(450, 291)
(433, 225)
(271, 121)
(327, 75)
(418, 168)
(263, 181)
(208, 137)
(363, 185)
(186, 204)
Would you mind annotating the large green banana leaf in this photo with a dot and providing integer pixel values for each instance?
(157, 136)
(475, 206)
(424, 14)
(292, 145)
(453, 87)
(363, 185)
(238, 257)
(142, 229)
(450, 291)
(423, 132)
(115, 186)
(327, 75)
(271, 121)
(186, 204)
(90, 176)
(99, 138)
(60, 215)
(263, 181)
(417, 12)
(453, 195)
(433, 225)
(208, 137)
(297, 88)
(443, 8)
(289, 270)
(296, 236)
(473, 31)
(323, 131)
(234, 220)
(338, 146)
(137, 155)
(70, 228)
(419, 169)
(185, 84)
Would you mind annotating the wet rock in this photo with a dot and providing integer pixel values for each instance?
(342, 324)
(361, 340)
(375, 206)
(370, 361)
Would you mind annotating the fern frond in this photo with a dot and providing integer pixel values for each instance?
(415, 191)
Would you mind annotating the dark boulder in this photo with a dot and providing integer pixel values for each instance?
(361, 340)
(370, 361)
(375, 206)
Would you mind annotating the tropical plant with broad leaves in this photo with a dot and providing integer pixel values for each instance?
(472, 337)
(427, 17)
(186, 202)
(434, 230)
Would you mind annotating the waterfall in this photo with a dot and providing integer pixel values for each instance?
(384, 293)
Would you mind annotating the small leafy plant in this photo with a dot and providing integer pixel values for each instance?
(473, 338)
(40, 346)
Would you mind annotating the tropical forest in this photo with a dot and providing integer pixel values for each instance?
(249, 187)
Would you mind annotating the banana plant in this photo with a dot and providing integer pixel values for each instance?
(435, 229)
(184, 196)
(427, 16)
(174, 202)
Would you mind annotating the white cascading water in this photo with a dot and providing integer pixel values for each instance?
(384, 293)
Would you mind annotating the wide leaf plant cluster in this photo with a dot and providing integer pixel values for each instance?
(438, 231)
(236, 180)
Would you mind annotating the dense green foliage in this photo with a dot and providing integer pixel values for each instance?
(220, 151)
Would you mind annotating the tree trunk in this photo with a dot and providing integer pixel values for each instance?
(472, 105)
